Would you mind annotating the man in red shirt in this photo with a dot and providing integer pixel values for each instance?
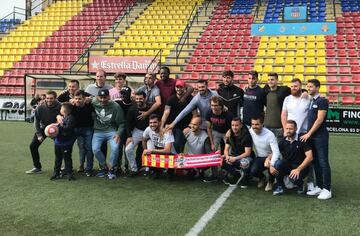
(167, 87)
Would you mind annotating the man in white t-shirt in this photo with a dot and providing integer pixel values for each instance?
(155, 142)
(296, 107)
(267, 152)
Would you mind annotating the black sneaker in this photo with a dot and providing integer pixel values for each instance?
(55, 177)
(71, 177)
(226, 180)
(89, 173)
(209, 179)
(244, 182)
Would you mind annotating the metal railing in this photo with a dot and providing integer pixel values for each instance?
(13, 16)
(157, 60)
(185, 34)
(85, 56)
(124, 16)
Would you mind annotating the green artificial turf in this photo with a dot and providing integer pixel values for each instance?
(34, 205)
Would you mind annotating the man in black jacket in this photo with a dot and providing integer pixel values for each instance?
(231, 94)
(45, 114)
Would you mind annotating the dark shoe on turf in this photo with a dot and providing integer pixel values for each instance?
(244, 182)
(101, 174)
(89, 173)
(34, 171)
(81, 169)
(55, 177)
(71, 177)
(279, 190)
(209, 179)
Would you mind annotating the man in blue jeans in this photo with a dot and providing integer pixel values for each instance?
(83, 113)
(108, 126)
(296, 158)
(319, 140)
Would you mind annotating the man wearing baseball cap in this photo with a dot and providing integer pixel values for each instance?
(173, 108)
(109, 124)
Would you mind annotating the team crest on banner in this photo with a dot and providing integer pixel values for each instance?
(182, 161)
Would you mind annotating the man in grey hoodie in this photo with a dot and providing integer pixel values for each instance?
(201, 102)
(45, 115)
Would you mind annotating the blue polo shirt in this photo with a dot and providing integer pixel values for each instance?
(318, 103)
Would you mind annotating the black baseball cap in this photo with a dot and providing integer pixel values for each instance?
(103, 92)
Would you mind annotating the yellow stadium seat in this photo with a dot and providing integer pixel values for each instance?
(258, 68)
(321, 53)
(300, 38)
(278, 69)
(310, 45)
(259, 61)
(290, 54)
(299, 76)
(273, 39)
(268, 68)
(300, 45)
(291, 38)
(310, 70)
(271, 45)
(323, 90)
(289, 61)
(279, 61)
(269, 61)
(270, 53)
(320, 38)
(310, 61)
(287, 78)
(262, 46)
(280, 53)
(299, 61)
(322, 79)
(320, 45)
(310, 53)
(311, 38)
(264, 39)
(281, 46)
(291, 45)
(321, 60)
(321, 69)
(261, 53)
(282, 39)
(300, 53)
(299, 69)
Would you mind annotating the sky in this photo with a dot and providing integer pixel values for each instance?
(7, 6)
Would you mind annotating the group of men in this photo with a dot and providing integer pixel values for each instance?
(276, 130)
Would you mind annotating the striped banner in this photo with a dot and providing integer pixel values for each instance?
(182, 161)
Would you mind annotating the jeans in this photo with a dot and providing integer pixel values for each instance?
(99, 138)
(284, 168)
(34, 149)
(257, 168)
(129, 150)
(320, 147)
(84, 141)
(122, 143)
(63, 152)
(180, 140)
(243, 164)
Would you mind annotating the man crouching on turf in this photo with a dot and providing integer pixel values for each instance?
(238, 154)
(297, 156)
(109, 124)
(154, 142)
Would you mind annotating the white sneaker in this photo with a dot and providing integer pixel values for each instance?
(269, 186)
(314, 192)
(310, 186)
(325, 194)
(288, 184)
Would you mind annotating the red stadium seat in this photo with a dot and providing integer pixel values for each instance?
(344, 70)
(345, 79)
(355, 69)
(353, 61)
(332, 79)
(343, 61)
(356, 78)
(347, 100)
(332, 70)
(333, 99)
(333, 89)
(346, 89)
(357, 89)
(357, 100)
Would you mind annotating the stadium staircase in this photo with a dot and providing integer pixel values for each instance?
(226, 44)
(159, 28)
(51, 41)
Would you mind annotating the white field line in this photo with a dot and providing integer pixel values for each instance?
(209, 214)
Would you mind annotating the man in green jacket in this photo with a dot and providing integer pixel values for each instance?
(108, 125)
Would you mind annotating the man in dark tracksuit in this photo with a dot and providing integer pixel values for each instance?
(45, 114)
(232, 95)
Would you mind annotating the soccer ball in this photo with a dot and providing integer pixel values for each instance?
(52, 130)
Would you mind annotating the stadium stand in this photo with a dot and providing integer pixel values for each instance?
(67, 28)
(226, 44)
(159, 27)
